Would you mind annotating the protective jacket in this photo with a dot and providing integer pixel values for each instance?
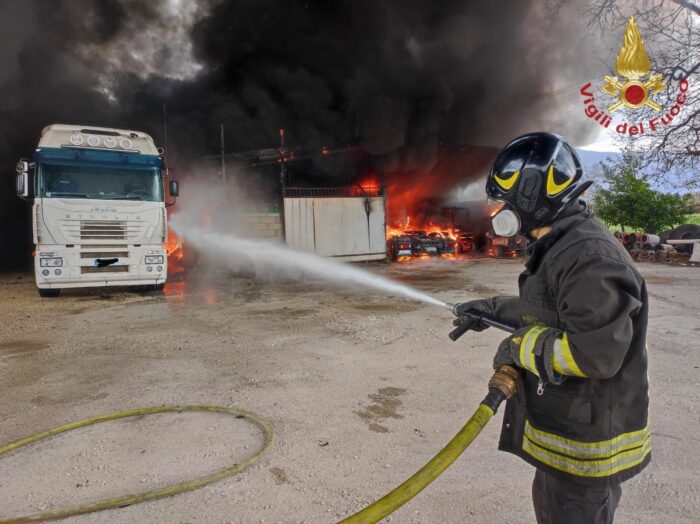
(581, 410)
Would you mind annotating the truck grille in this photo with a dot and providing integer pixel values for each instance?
(105, 269)
(77, 230)
(102, 229)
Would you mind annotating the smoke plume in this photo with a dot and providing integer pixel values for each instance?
(399, 81)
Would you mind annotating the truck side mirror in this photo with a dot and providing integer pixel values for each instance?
(22, 179)
(174, 188)
(23, 185)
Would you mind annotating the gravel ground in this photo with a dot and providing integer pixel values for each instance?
(362, 390)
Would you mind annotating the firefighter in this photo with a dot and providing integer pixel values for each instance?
(580, 415)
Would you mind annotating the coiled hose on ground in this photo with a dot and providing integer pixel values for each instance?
(167, 491)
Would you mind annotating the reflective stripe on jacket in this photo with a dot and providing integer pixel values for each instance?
(583, 308)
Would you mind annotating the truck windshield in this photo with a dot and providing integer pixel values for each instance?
(99, 182)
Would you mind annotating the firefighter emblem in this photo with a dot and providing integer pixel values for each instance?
(633, 65)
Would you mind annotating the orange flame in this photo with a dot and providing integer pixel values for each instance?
(398, 230)
(174, 247)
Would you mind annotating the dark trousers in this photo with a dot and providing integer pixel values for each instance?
(561, 502)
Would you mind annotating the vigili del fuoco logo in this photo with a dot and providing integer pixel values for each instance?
(634, 88)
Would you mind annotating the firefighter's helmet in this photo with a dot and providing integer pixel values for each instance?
(537, 176)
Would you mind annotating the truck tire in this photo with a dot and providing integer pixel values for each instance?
(498, 251)
(685, 232)
(48, 293)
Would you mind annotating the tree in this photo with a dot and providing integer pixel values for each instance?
(628, 200)
(670, 30)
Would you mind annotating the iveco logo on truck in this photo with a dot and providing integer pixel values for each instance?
(77, 175)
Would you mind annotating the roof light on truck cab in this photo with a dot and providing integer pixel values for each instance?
(93, 140)
(125, 143)
(110, 142)
(76, 139)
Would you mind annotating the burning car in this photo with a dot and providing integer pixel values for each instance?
(449, 243)
(417, 243)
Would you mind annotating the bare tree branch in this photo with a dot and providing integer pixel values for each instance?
(688, 5)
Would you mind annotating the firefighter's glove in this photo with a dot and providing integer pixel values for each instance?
(530, 348)
(475, 307)
(510, 351)
(505, 354)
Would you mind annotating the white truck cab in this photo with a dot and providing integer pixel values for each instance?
(99, 213)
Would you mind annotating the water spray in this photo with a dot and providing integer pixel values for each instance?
(277, 258)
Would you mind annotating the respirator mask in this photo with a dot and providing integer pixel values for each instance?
(506, 223)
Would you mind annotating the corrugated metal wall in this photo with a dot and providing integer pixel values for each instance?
(343, 228)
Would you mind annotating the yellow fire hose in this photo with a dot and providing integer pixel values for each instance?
(501, 386)
(167, 491)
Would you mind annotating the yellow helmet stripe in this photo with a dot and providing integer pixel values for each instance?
(552, 187)
(507, 183)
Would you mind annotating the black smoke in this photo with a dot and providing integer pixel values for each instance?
(399, 81)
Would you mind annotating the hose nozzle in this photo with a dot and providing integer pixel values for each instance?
(452, 308)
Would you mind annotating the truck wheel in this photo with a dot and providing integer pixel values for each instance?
(159, 287)
(48, 293)
(685, 232)
(498, 251)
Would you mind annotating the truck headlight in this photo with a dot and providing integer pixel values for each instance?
(51, 262)
(154, 259)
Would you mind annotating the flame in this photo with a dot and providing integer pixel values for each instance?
(398, 230)
(174, 247)
(632, 60)
(368, 186)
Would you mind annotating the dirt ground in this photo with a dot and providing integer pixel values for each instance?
(362, 390)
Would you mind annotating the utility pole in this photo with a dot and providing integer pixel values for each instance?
(165, 132)
(223, 160)
(283, 160)
(283, 180)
